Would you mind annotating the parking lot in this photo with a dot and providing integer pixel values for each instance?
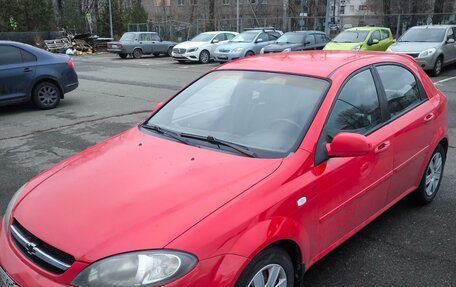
(406, 246)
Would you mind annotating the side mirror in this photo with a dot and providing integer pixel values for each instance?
(215, 41)
(158, 106)
(372, 41)
(348, 145)
(450, 41)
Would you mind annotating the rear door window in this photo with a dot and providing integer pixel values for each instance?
(10, 55)
(154, 37)
(401, 88)
(27, 57)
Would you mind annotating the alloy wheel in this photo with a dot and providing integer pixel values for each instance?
(433, 174)
(272, 275)
(47, 95)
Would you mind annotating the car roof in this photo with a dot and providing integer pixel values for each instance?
(142, 32)
(307, 31)
(216, 32)
(365, 28)
(433, 26)
(320, 64)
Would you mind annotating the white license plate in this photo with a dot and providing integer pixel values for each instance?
(5, 280)
(114, 46)
(223, 57)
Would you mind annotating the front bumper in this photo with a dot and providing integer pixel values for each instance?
(191, 56)
(225, 57)
(426, 63)
(220, 271)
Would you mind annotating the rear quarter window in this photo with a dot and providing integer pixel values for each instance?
(10, 55)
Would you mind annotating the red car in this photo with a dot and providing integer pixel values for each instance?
(245, 178)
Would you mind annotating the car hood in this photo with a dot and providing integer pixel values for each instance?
(132, 192)
(341, 46)
(233, 45)
(281, 46)
(189, 44)
(412, 47)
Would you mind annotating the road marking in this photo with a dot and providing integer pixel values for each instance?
(444, 80)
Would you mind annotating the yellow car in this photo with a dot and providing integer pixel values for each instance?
(362, 39)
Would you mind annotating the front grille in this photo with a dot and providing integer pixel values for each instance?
(414, 55)
(42, 254)
(224, 51)
(179, 51)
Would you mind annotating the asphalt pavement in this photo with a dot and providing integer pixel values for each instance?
(406, 246)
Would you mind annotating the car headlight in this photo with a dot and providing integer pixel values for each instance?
(192, 50)
(9, 209)
(427, 53)
(139, 269)
(238, 50)
(262, 51)
(357, 48)
(389, 50)
(287, 50)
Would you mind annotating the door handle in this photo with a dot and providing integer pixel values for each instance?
(27, 70)
(140, 42)
(429, 117)
(384, 146)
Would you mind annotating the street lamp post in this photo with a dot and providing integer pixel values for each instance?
(237, 16)
(110, 19)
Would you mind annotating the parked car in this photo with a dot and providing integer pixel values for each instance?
(246, 177)
(432, 47)
(201, 48)
(246, 44)
(362, 39)
(31, 74)
(297, 41)
(137, 44)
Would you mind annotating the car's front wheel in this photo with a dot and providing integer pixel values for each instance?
(46, 95)
(170, 51)
(123, 56)
(430, 182)
(204, 57)
(272, 267)
(437, 67)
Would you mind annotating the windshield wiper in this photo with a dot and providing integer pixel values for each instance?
(218, 142)
(166, 132)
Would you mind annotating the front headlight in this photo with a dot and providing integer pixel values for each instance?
(9, 209)
(427, 53)
(139, 269)
(357, 48)
(192, 50)
(287, 50)
(389, 50)
(238, 50)
(262, 51)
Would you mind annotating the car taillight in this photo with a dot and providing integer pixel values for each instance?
(71, 65)
(119, 45)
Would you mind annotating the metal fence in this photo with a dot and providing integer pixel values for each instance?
(398, 23)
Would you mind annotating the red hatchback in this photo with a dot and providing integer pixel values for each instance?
(245, 178)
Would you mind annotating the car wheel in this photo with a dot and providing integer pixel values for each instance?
(181, 61)
(137, 54)
(170, 52)
(46, 96)
(156, 54)
(204, 57)
(437, 66)
(272, 267)
(249, 54)
(123, 56)
(432, 177)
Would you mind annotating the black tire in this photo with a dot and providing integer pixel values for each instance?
(181, 61)
(428, 188)
(438, 66)
(156, 54)
(46, 95)
(170, 52)
(123, 56)
(275, 256)
(249, 54)
(137, 53)
(204, 57)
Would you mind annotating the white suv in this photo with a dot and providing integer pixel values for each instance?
(201, 48)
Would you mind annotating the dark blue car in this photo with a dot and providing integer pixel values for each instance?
(31, 74)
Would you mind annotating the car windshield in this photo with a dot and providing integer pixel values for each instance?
(266, 113)
(293, 38)
(245, 37)
(423, 35)
(204, 37)
(355, 36)
(128, 37)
